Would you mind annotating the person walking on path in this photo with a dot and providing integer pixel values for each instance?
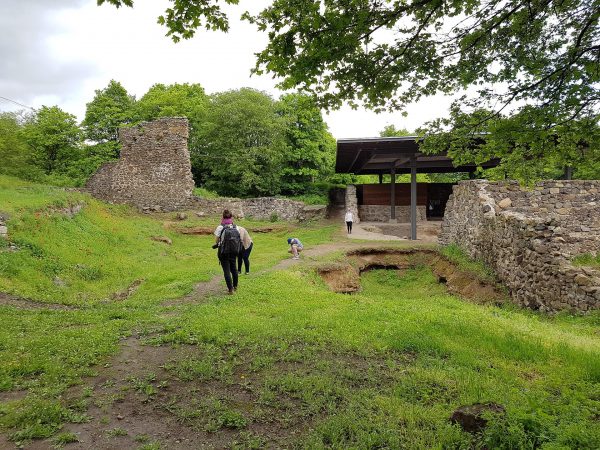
(245, 255)
(349, 218)
(295, 247)
(229, 246)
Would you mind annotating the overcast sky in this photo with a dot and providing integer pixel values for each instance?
(58, 52)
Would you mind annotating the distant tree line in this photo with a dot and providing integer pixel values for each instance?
(242, 142)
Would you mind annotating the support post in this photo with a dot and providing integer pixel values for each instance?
(393, 196)
(380, 178)
(413, 197)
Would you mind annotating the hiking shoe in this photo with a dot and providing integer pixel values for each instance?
(296, 257)
(231, 291)
(247, 273)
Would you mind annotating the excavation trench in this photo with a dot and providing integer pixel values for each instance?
(344, 277)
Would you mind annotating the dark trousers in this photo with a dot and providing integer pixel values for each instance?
(231, 275)
(245, 257)
(349, 225)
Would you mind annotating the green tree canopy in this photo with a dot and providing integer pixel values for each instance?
(390, 53)
(186, 100)
(162, 100)
(241, 145)
(528, 148)
(54, 138)
(533, 66)
(111, 108)
(391, 131)
(14, 152)
(310, 152)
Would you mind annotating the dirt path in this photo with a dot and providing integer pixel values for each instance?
(427, 232)
(24, 303)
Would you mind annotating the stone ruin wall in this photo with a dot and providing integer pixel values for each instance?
(351, 203)
(261, 208)
(154, 174)
(154, 169)
(381, 213)
(529, 237)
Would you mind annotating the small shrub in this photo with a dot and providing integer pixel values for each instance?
(274, 217)
(116, 432)
(88, 273)
(62, 439)
(205, 193)
(150, 446)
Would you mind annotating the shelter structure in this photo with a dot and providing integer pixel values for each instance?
(393, 156)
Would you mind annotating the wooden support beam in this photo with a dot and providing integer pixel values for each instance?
(393, 195)
(413, 197)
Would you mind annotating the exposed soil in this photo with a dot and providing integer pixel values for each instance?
(143, 395)
(207, 231)
(24, 303)
(345, 277)
(127, 292)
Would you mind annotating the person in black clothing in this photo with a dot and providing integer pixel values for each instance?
(228, 260)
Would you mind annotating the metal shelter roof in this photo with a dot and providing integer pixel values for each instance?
(366, 156)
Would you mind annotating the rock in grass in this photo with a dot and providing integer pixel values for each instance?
(164, 239)
(59, 282)
(470, 417)
(181, 216)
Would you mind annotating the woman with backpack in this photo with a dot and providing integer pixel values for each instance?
(229, 247)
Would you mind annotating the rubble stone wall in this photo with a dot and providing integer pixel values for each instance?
(529, 237)
(153, 170)
(381, 213)
(352, 204)
(261, 208)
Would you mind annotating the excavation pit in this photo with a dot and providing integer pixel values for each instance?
(344, 277)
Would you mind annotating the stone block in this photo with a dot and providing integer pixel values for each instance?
(505, 203)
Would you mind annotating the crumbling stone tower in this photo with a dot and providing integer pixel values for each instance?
(154, 170)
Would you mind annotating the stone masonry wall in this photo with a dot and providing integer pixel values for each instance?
(352, 203)
(262, 208)
(381, 213)
(529, 237)
(154, 169)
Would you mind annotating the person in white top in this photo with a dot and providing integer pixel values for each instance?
(349, 218)
(245, 255)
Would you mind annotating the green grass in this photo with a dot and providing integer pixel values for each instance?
(86, 259)
(312, 199)
(205, 193)
(383, 368)
(587, 259)
(61, 439)
(458, 256)
(387, 367)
